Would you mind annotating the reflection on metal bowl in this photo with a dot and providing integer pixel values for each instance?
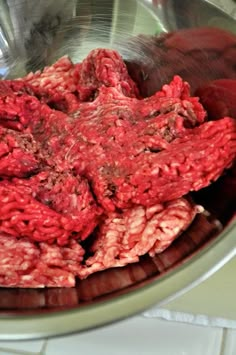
(36, 34)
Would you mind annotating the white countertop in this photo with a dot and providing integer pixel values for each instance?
(136, 336)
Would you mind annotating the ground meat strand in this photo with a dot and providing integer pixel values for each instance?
(64, 85)
(113, 125)
(218, 97)
(19, 154)
(196, 54)
(27, 264)
(104, 67)
(124, 237)
(187, 164)
(128, 156)
(17, 105)
(66, 194)
(112, 164)
(56, 85)
(21, 215)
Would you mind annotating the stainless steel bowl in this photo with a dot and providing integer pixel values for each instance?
(34, 34)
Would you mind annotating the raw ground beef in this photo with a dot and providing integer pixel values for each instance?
(27, 264)
(123, 237)
(126, 147)
(17, 105)
(198, 55)
(82, 156)
(48, 207)
(19, 154)
(218, 98)
(151, 176)
(64, 84)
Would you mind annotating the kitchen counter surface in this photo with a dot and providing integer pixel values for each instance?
(136, 336)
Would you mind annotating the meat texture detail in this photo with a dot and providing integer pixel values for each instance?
(92, 175)
(124, 237)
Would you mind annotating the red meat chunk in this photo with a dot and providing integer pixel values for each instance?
(17, 105)
(54, 131)
(27, 264)
(19, 154)
(104, 67)
(189, 163)
(67, 195)
(114, 125)
(145, 162)
(111, 166)
(125, 236)
(196, 54)
(48, 207)
(56, 85)
(62, 76)
(64, 85)
(140, 151)
(195, 38)
(23, 216)
(219, 97)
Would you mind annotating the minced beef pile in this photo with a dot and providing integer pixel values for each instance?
(93, 176)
